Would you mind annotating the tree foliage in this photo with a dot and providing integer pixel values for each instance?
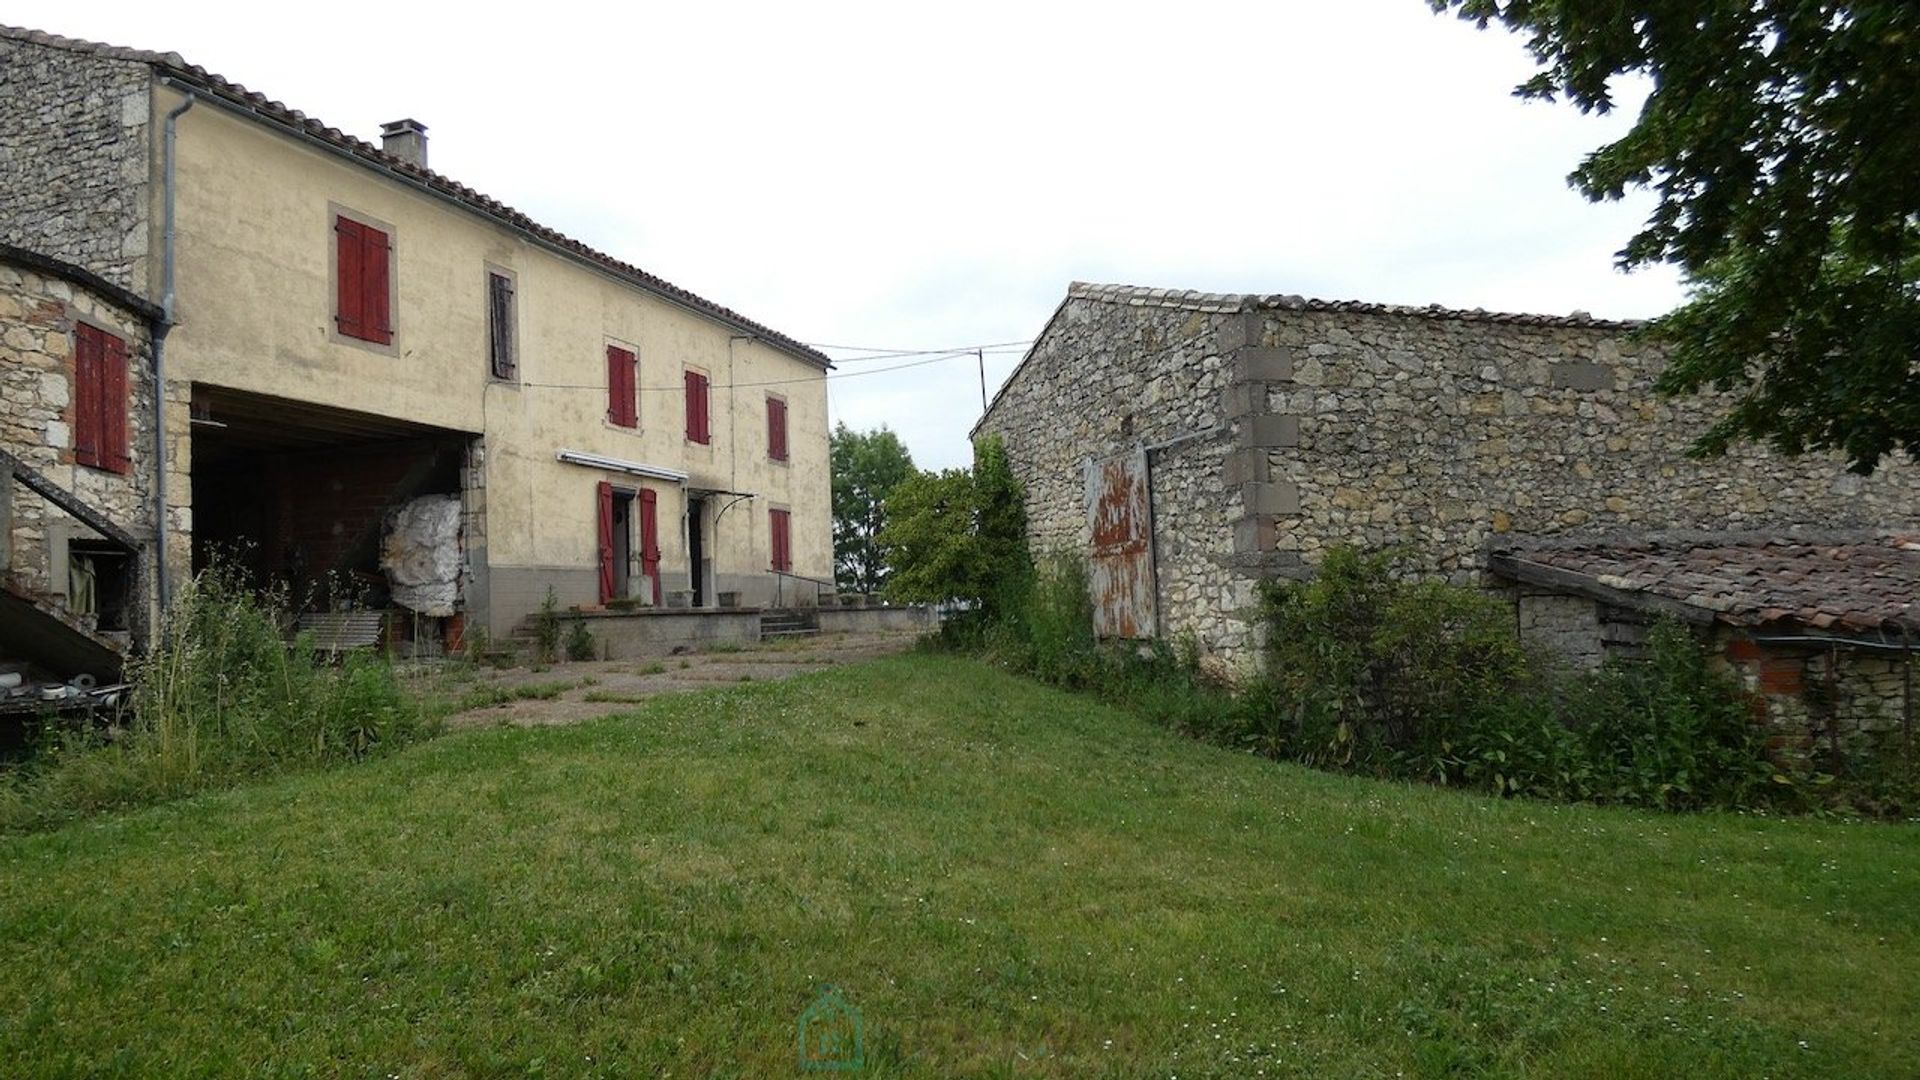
(958, 535)
(867, 466)
(1782, 140)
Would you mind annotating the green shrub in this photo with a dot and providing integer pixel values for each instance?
(546, 630)
(1374, 669)
(222, 697)
(579, 641)
(1371, 670)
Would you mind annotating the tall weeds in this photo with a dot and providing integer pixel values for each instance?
(224, 696)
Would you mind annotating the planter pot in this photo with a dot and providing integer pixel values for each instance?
(728, 599)
(680, 598)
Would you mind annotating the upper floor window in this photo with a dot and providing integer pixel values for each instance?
(698, 429)
(364, 282)
(99, 399)
(502, 362)
(776, 429)
(623, 401)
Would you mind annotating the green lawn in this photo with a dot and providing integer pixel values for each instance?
(1004, 879)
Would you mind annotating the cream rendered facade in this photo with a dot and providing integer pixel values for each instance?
(256, 195)
(255, 211)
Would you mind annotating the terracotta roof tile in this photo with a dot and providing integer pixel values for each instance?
(1857, 582)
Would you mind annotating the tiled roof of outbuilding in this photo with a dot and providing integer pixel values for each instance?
(1191, 300)
(274, 112)
(1832, 583)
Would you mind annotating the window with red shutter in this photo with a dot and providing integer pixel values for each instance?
(100, 416)
(623, 406)
(782, 536)
(776, 429)
(362, 289)
(697, 414)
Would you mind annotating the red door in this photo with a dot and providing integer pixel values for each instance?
(606, 541)
(650, 540)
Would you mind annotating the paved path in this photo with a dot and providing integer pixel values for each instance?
(616, 684)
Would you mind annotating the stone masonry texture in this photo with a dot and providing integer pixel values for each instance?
(1298, 425)
(38, 314)
(75, 158)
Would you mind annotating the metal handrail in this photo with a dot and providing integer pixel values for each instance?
(780, 586)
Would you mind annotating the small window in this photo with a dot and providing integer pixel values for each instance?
(697, 414)
(781, 523)
(623, 402)
(361, 297)
(776, 429)
(501, 360)
(99, 399)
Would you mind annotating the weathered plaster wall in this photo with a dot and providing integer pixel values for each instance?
(1355, 424)
(38, 313)
(75, 159)
(256, 311)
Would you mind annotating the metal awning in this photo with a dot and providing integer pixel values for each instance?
(631, 468)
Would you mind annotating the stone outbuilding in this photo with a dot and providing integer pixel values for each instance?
(1191, 444)
(1820, 628)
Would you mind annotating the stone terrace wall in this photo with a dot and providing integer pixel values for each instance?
(74, 158)
(38, 312)
(1443, 432)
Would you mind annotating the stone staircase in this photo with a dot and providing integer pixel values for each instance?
(778, 623)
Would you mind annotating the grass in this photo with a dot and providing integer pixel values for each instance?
(482, 697)
(1005, 879)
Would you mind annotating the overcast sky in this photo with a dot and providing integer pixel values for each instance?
(916, 176)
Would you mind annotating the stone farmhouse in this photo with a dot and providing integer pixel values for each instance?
(229, 330)
(1191, 444)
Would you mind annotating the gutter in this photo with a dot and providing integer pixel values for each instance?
(161, 325)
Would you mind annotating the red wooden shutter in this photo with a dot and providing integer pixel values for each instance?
(650, 539)
(622, 409)
(776, 429)
(88, 359)
(606, 541)
(379, 320)
(782, 535)
(350, 292)
(114, 414)
(697, 407)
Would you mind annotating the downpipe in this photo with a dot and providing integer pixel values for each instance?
(169, 136)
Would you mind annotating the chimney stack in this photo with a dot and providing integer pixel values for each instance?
(406, 140)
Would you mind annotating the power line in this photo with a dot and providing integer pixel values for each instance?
(823, 377)
(913, 352)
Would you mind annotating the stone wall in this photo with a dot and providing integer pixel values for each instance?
(1814, 700)
(1103, 379)
(38, 313)
(1361, 424)
(75, 162)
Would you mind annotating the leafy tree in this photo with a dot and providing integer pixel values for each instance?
(958, 534)
(1782, 138)
(867, 466)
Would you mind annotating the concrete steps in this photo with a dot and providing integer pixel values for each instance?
(789, 622)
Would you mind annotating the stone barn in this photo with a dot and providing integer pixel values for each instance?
(1191, 444)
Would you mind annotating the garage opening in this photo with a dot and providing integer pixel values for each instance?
(344, 511)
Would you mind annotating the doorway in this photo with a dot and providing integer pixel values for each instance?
(697, 548)
(622, 536)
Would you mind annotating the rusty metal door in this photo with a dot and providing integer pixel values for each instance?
(1120, 573)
